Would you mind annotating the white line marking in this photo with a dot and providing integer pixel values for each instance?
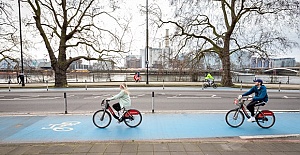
(190, 97)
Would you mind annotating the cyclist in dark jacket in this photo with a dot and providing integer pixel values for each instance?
(260, 95)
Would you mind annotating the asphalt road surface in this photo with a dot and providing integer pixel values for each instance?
(80, 100)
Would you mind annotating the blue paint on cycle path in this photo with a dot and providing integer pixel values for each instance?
(70, 128)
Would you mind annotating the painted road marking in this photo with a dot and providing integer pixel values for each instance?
(187, 97)
(64, 126)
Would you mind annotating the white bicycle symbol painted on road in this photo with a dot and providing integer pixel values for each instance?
(64, 126)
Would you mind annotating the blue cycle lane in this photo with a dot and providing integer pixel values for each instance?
(155, 126)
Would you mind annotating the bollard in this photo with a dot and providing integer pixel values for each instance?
(85, 85)
(241, 85)
(47, 84)
(65, 96)
(8, 85)
(279, 86)
(152, 102)
(163, 84)
(202, 85)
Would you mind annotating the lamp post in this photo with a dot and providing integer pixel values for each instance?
(22, 67)
(147, 46)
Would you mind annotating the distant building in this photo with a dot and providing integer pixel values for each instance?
(133, 61)
(282, 62)
(7, 64)
(28, 64)
(157, 57)
(75, 65)
(257, 62)
(103, 65)
(44, 65)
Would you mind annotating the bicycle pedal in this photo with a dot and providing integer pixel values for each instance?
(120, 119)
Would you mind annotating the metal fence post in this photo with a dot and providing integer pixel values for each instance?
(279, 86)
(241, 85)
(152, 102)
(85, 85)
(65, 96)
(47, 84)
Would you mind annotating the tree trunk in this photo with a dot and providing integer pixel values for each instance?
(226, 76)
(60, 78)
(61, 67)
(225, 58)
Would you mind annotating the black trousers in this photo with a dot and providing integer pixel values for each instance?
(117, 106)
(251, 105)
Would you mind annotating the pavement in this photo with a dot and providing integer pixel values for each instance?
(216, 146)
(287, 144)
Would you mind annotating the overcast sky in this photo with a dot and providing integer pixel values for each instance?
(139, 27)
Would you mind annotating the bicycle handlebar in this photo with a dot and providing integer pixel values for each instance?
(104, 101)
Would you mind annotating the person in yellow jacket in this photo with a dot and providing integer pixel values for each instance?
(209, 78)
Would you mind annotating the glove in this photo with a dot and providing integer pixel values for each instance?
(240, 97)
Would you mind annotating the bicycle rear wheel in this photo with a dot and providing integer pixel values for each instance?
(265, 121)
(234, 118)
(214, 86)
(104, 122)
(132, 118)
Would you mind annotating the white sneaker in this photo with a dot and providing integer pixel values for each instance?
(251, 119)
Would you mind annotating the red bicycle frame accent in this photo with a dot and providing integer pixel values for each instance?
(112, 112)
(267, 112)
(131, 112)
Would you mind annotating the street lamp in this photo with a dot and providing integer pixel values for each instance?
(22, 67)
(147, 46)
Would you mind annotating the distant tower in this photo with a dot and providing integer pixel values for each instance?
(167, 40)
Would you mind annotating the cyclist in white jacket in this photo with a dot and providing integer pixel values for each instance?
(123, 96)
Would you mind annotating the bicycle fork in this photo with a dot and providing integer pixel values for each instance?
(238, 110)
(236, 114)
(102, 117)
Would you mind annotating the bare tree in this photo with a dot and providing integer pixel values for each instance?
(77, 27)
(224, 27)
(8, 40)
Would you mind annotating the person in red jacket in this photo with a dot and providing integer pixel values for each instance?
(137, 77)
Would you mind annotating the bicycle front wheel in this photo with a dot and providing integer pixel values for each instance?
(101, 118)
(266, 121)
(234, 118)
(132, 118)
